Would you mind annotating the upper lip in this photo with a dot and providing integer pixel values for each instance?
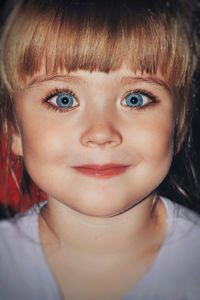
(102, 166)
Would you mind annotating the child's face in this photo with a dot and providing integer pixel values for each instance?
(93, 120)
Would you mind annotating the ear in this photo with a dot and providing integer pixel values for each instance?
(16, 144)
(12, 134)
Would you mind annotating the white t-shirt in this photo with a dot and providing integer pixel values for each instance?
(174, 274)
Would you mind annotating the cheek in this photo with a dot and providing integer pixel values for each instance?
(158, 142)
(44, 142)
(154, 141)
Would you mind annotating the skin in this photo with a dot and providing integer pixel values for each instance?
(114, 218)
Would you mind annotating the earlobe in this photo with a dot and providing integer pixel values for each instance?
(16, 145)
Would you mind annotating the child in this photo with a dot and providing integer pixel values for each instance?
(95, 102)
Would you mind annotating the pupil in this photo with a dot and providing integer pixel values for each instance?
(134, 100)
(65, 100)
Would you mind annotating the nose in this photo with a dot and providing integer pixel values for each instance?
(101, 133)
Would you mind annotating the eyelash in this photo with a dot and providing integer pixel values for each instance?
(155, 99)
(57, 91)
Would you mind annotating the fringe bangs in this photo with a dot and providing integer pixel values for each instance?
(64, 40)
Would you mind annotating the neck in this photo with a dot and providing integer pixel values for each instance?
(131, 230)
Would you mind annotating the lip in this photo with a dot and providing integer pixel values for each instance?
(102, 171)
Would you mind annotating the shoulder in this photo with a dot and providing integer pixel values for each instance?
(181, 220)
(180, 252)
(20, 221)
(175, 273)
(17, 235)
(182, 241)
(24, 273)
(21, 226)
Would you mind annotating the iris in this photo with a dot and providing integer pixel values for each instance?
(65, 100)
(134, 100)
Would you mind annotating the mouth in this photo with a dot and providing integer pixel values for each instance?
(102, 171)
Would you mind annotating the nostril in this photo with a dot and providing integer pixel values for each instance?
(101, 136)
(103, 143)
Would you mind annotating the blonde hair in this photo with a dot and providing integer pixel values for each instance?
(64, 36)
(70, 35)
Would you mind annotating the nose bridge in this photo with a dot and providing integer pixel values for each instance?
(101, 129)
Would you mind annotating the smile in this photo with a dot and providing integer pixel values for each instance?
(102, 171)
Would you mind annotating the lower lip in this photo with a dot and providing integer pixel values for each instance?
(102, 173)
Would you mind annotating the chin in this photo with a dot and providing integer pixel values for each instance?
(102, 210)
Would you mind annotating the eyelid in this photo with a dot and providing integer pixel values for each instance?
(143, 92)
(153, 99)
(56, 92)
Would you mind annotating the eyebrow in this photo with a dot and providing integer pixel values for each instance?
(150, 80)
(67, 78)
(124, 80)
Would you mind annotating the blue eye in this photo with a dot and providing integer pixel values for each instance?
(136, 100)
(63, 100)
